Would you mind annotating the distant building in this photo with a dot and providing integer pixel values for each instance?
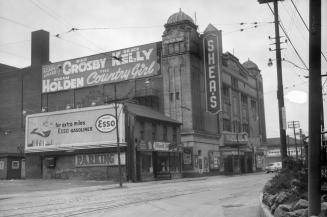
(294, 149)
(202, 110)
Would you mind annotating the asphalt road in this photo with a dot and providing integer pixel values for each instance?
(218, 196)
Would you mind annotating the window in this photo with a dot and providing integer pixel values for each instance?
(182, 46)
(175, 135)
(254, 108)
(15, 165)
(175, 48)
(177, 96)
(253, 104)
(171, 96)
(142, 127)
(244, 99)
(245, 128)
(225, 91)
(174, 162)
(165, 49)
(164, 136)
(234, 83)
(170, 48)
(2, 165)
(146, 163)
(235, 105)
(236, 126)
(176, 45)
(154, 131)
(226, 125)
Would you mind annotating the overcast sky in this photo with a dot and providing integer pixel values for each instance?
(130, 23)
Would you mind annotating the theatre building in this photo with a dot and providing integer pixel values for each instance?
(185, 108)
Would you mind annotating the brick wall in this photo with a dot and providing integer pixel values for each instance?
(66, 169)
(33, 166)
(3, 170)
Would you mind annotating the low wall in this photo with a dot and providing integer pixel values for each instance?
(264, 210)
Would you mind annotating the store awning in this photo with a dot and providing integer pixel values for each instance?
(146, 112)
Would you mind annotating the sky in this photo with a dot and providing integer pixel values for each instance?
(107, 25)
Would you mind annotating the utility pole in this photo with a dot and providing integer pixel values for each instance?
(315, 106)
(293, 125)
(280, 89)
(301, 143)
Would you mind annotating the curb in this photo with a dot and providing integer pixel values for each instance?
(264, 210)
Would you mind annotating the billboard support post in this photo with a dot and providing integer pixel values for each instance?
(117, 135)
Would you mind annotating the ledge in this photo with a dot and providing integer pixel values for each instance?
(264, 210)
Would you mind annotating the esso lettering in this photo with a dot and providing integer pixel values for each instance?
(106, 123)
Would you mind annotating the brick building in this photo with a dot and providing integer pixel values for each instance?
(211, 104)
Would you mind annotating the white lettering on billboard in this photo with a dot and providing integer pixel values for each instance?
(103, 159)
(130, 63)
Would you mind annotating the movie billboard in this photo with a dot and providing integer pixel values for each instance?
(130, 63)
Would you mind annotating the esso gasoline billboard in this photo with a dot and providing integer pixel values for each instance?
(84, 128)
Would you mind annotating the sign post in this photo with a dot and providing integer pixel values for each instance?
(117, 135)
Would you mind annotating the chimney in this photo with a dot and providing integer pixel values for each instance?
(39, 48)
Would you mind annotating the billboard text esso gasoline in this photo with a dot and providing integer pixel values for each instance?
(115, 66)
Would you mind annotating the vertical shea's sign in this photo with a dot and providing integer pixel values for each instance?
(212, 69)
(125, 64)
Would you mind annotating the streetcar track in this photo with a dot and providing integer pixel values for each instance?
(97, 206)
(80, 203)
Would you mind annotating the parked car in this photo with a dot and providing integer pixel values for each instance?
(273, 167)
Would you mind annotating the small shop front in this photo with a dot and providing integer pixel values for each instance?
(158, 160)
(236, 155)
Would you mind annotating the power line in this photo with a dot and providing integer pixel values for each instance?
(53, 14)
(295, 64)
(306, 26)
(48, 11)
(75, 43)
(15, 22)
(297, 53)
(288, 87)
(15, 42)
(160, 26)
(13, 54)
(242, 29)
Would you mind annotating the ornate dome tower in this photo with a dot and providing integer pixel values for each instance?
(179, 17)
(181, 67)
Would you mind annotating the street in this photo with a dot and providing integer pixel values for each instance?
(222, 196)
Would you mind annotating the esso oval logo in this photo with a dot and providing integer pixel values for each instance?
(106, 123)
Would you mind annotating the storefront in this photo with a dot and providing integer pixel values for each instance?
(160, 160)
(236, 154)
(156, 141)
